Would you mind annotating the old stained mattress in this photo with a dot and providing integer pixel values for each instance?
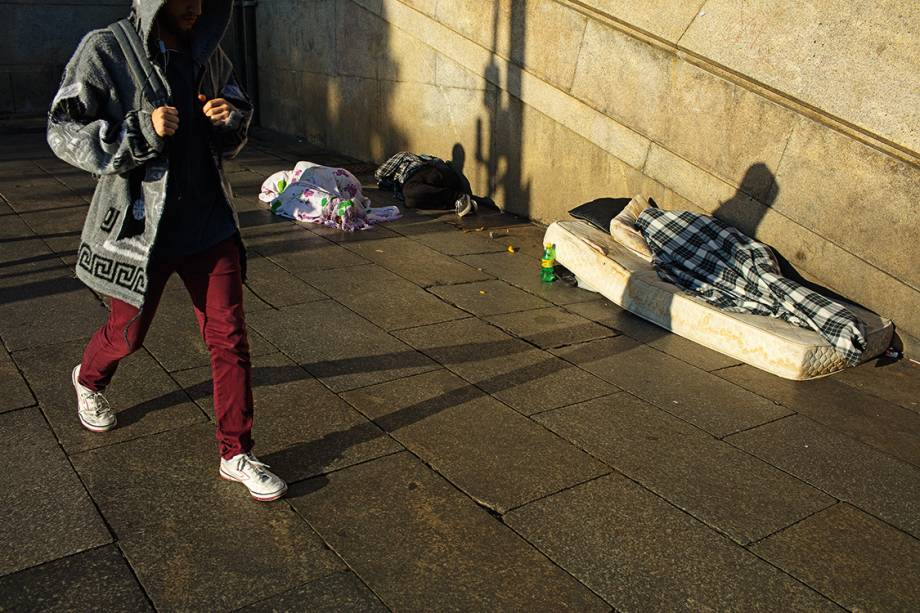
(603, 265)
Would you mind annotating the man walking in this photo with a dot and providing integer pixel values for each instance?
(151, 106)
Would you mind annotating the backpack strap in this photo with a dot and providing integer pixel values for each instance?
(150, 86)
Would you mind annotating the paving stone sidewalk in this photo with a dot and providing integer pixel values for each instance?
(457, 435)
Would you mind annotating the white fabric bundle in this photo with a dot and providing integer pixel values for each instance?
(321, 194)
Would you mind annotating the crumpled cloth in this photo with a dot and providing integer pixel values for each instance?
(734, 272)
(324, 195)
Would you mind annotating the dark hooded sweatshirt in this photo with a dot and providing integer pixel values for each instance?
(100, 121)
(197, 215)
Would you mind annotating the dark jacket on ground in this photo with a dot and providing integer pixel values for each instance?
(100, 121)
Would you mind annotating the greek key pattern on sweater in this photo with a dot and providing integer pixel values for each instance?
(124, 275)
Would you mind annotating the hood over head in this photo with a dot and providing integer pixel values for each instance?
(206, 35)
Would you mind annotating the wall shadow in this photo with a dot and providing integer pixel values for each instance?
(327, 78)
(746, 210)
(502, 157)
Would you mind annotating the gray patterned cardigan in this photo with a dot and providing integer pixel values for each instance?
(100, 122)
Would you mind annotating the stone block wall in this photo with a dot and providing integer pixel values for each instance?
(797, 122)
(36, 40)
(38, 37)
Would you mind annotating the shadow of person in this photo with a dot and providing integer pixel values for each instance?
(747, 208)
(458, 162)
(458, 157)
(746, 211)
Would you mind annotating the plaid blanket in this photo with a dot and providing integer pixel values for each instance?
(393, 173)
(736, 273)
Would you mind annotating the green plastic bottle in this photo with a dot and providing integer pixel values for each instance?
(548, 263)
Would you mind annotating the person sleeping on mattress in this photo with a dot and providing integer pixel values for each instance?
(732, 271)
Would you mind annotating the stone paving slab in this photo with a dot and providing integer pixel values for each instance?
(526, 379)
(219, 568)
(608, 314)
(642, 554)
(342, 349)
(489, 297)
(523, 271)
(420, 264)
(46, 310)
(419, 544)
(30, 268)
(853, 558)
(259, 226)
(393, 303)
(276, 286)
(489, 451)
(300, 428)
(22, 176)
(727, 489)
(41, 269)
(167, 482)
(711, 403)
(611, 315)
(16, 392)
(551, 327)
(247, 186)
(841, 407)
(17, 242)
(59, 228)
(145, 399)
(691, 353)
(332, 594)
(340, 237)
(254, 217)
(840, 466)
(23, 148)
(302, 252)
(77, 180)
(14, 170)
(898, 382)
(526, 238)
(95, 580)
(252, 302)
(449, 241)
(39, 194)
(34, 280)
(46, 511)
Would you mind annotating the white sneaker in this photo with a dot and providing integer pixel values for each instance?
(92, 408)
(465, 205)
(246, 468)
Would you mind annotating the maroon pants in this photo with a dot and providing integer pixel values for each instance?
(214, 281)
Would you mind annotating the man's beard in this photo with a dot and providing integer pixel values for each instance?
(172, 25)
